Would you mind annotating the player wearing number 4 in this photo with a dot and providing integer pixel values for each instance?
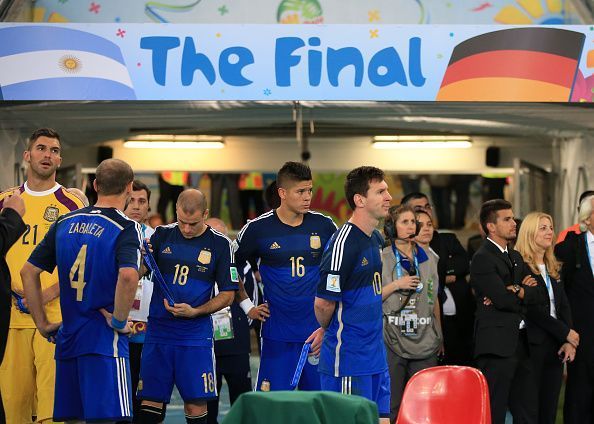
(349, 296)
(97, 252)
(289, 242)
(178, 347)
(28, 370)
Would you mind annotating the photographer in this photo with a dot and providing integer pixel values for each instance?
(412, 330)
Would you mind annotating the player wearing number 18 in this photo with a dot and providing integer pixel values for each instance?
(178, 348)
(97, 252)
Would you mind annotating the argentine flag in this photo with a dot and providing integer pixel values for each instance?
(55, 63)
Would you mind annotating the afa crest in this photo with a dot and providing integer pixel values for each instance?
(204, 257)
(51, 214)
(315, 242)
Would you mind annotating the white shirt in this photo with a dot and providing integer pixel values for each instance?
(144, 292)
(590, 241)
(549, 283)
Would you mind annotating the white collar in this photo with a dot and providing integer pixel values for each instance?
(590, 237)
(499, 247)
(41, 193)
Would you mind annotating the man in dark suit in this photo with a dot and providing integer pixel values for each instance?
(11, 228)
(497, 276)
(455, 296)
(576, 252)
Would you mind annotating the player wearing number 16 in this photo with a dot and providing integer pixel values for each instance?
(178, 347)
(97, 252)
(289, 242)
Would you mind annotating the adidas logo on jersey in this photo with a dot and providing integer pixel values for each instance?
(166, 250)
(274, 245)
(364, 261)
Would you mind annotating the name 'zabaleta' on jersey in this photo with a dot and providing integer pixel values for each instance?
(89, 246)
(190, 268)
(289, 266)
(351, 275)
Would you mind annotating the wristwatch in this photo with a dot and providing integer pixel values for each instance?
(516, 288)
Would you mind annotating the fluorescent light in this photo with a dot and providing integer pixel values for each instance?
(421, 142)
(174, 141)
(174, 144)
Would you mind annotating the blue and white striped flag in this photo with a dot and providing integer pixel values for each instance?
(54, 63)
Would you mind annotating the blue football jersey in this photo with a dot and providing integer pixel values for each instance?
(289, 265)
(190, 268)
(89, 246)
(351, 275)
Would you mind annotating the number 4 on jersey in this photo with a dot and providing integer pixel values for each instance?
(78, 268)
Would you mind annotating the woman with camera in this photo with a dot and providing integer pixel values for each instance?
(412, 330)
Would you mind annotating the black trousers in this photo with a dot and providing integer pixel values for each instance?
(505, 378)
(236, 370)
(579, 391)
(541, 387)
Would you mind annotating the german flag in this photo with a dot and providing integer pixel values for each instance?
(521, 64)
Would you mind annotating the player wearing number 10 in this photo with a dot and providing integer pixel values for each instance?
(97, 252)
(289, 242)
(349, 297)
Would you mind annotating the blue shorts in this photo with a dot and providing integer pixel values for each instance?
(190, 368)
(374, 387)
(277, 365)
(93, 388)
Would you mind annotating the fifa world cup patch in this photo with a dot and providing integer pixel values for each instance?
(204, 257)
(333, 283)
(234, 275)
(315, 242)
(51, 214)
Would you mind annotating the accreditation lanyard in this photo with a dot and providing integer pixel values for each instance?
(547, 280)
(399, 259)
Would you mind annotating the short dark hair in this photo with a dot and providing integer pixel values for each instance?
(357, 182)
(112, 177)
(138, 185)
(489, 211)
(42, 132)
(293, 171)
(413, 196)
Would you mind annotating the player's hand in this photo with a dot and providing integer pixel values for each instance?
(16, 202)
(260, 312)
(566, 353)
(180, 310)
(409, 282)
(573, 338)
(148, 242)
(21, 301)
(316, 341)
(529, 281)
(450, 279)
(487, 301)
(127, 329)
(50, 330)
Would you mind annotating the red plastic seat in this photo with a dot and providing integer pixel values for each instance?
(446, 395)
